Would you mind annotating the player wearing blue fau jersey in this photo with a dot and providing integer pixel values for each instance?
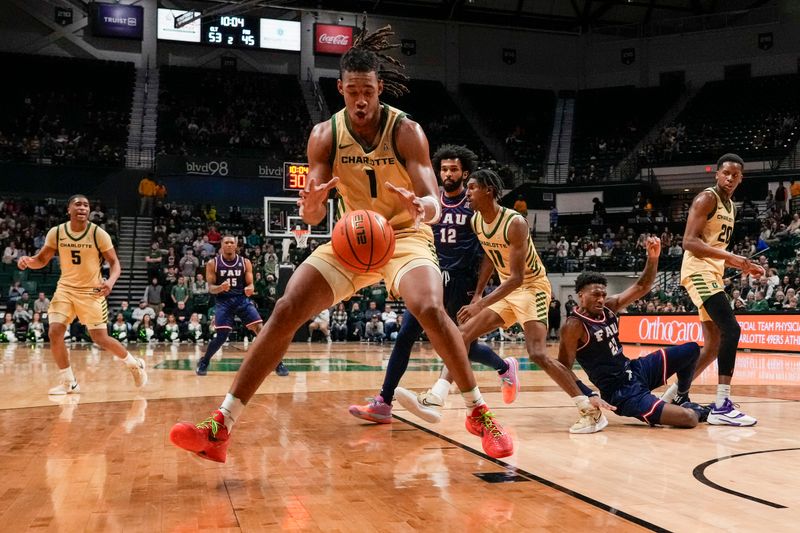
(460, 256)
(230, 278)
(591, 334)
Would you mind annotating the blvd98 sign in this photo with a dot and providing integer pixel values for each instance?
(759, 332)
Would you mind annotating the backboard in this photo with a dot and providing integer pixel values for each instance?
(281, 216)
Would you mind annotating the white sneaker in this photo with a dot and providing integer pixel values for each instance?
(139, 374)
(65, 388)
(426, 405)
(591, 421)
(728, 415)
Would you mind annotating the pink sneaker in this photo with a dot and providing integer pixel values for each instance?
(376, 411)
(509, 380)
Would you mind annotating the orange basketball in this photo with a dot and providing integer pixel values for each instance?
(363, 241)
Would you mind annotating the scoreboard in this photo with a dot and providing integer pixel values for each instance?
(231, 31)
(294, 176)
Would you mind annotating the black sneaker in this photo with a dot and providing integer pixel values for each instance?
(281, 370)
(681, 399)
(701, 410)
(202, 368)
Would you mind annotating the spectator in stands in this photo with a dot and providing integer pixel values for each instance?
(372, 310)
(521, 206)
(153, 296)
(254, 239)
(356, 322)
(26, 302)
(794, 190)
(210, 214)
(22, 317)
(120, 329)
(140, 312)
(97, 215)
(199, 292)
(339, 323)
(189, 264)
(145, 330)
(127, 312)
(179, 293)
(147, 194)
(11, 253)
(8, 331)
(598, 212)
(36, 329)
(271, 261)
(570, 305)
(161, 191)
(389, 319)
(194, 330)
(780, 199)
(374, 329)
(554, 319)
(154, 260)
(42, 304)
(214, 237)
(15, 292)
(320, 323)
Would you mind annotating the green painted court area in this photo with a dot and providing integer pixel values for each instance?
(300, 364)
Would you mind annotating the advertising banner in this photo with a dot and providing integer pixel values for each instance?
(332, 39)
(235, 167)
(759, 331)
(117, 20)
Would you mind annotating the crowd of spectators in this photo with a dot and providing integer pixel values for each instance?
(83, 119)
(220, 113)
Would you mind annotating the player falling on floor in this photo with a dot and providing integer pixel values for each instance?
(230, 280)
(81, 290)
(460, 255)
(523, 296)
(381, 162)
(591, 334)
(705, 240)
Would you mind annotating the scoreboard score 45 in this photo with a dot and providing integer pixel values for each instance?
(240, 32)
(294, 176)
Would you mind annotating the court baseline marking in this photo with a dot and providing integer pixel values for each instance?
(700, 475)
(546, 482)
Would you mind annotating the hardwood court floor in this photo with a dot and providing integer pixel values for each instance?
(101, 460)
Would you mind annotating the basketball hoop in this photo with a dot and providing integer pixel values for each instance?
(301, 237)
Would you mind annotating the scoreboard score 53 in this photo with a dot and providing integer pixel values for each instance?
(225, 30)
(294, 176)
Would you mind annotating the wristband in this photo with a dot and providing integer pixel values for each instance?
(584, 389)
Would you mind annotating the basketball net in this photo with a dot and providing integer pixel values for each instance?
(301, 237)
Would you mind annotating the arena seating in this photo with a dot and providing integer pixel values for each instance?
(65, 110)
(522, 117)
(757, 118)
(610, 122)
(216, 112)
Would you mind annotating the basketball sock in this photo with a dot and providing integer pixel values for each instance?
(130, 360)
(670, 394)
(441, 388)
(723, 393)
(66, 375)
(401, 353)
(481, 353)
(215, 344)
(582, 402)
(472, 398)
(231, 408)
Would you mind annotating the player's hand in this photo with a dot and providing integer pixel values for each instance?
(467, 312)
(313, 197)
(24, 262)
(755, 270)
(225, 286)
(104, 289)
(600, 403)
(410, 201)
(653, 245)
(249, 290)
(741, 263)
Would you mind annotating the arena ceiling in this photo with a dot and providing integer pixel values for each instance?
(577, 16)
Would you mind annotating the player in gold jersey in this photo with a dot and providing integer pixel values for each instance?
(708, 232)
(523, 296)
(81, 291)
(378, 159)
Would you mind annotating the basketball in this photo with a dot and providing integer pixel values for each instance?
(363, 241)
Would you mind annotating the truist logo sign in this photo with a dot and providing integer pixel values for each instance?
(332, 39)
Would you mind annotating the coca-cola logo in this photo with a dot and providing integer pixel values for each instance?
(339, 40)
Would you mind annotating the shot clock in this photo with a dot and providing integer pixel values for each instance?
(294, 176)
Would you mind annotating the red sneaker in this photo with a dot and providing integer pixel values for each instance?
(496, 442)
(208, 439)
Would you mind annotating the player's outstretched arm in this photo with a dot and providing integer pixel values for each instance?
(38, 261)
(312, 202)
(412, 145)
(645, 281)
(570, 337)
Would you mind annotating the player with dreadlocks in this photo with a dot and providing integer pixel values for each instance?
(381, 162)
(523, 296)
